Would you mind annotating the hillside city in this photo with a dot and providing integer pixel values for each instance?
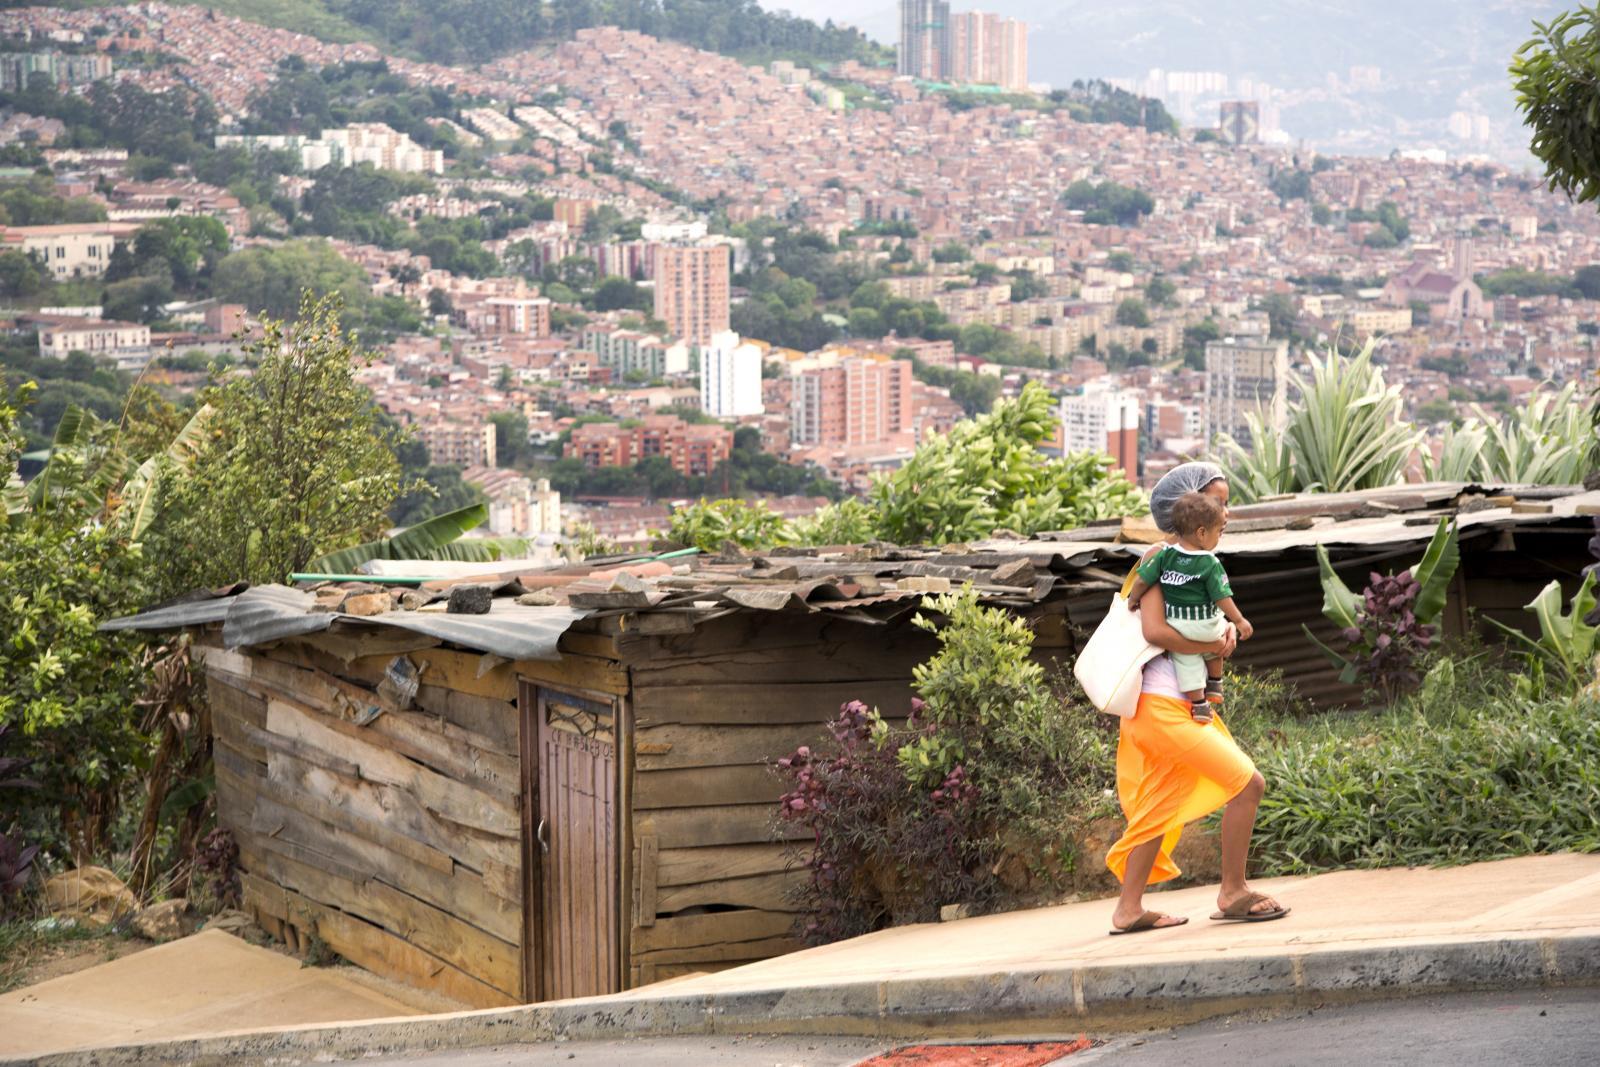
(616, 272)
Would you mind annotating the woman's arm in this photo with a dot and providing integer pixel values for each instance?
(1153, 621)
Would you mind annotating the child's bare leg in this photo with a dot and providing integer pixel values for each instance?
(1213, 693)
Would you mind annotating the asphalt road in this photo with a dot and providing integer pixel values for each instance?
(1537, 1028)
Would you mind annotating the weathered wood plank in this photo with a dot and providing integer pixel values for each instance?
(494, 721)
(438, 933)
(744, 824)
(453, 750)
(385, 641)
(216, 658)
(706, 787)
(647, 866)
(238, 733)
(720, 928)
(576, 672)
(233, 701)
(459, 892)
(600, 646)
(659, 748)
(396, 809)
(370, 946)
(450, 799)
(688, 866)
(313, 807)
(769, 892)
(799, 702)
(742, 950)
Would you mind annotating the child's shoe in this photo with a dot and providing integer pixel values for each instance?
(1200, 710)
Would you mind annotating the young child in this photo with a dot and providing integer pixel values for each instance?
(1199, 598)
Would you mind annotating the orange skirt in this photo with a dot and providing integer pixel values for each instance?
(1171, 771)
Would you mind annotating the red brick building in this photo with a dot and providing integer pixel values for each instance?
(692, 449)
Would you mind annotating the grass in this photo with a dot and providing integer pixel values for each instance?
(1462, 771)
(26, 942)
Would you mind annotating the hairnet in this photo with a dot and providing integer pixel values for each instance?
(1184, 478)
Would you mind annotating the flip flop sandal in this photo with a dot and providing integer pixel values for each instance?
(1150, 920)
(1239, 911)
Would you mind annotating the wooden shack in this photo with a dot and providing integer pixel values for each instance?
(572, 795)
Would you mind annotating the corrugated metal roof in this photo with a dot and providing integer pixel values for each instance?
(267, 613)
(175, 616)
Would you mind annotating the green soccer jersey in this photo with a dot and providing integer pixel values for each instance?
(1191, 582)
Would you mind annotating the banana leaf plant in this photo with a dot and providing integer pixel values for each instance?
(438, 538)
(1568, 643)
(1391, 622)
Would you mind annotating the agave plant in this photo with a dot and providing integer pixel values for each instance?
(1343, 433)
(1550, 440)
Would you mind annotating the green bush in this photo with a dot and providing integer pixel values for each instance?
(982, 797)
(1464, 771)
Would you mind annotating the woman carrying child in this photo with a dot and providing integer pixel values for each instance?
(1173, 769)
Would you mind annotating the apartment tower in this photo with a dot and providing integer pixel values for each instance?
(924, 50)
(1246, 377)
(692, 290)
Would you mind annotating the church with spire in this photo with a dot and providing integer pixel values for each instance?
(1451, 295)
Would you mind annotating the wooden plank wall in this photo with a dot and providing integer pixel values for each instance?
(711, 885)
(398, 843)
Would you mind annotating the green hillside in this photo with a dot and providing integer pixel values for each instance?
(473, 31)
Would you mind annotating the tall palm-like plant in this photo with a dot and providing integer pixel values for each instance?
(1344, 432)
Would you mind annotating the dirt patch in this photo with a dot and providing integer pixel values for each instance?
(34, 957)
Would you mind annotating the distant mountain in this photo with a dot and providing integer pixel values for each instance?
(1436, 57)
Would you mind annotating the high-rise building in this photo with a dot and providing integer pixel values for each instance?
(730, 377)
(924, 50)
(1240, 122)
(692, 290)
(458, 444)
(986, 49)
(1103, 419)
(853, 402)
(1246, 377)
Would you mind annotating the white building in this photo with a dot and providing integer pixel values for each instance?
(127, 343)
(730, 377)
(518, 507)
(367, 142)
(1103, 418)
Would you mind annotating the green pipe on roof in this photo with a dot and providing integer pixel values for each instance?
(382, 579)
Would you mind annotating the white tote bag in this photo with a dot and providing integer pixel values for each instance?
(1111, 666)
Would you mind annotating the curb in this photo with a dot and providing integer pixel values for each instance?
(1016, 1003)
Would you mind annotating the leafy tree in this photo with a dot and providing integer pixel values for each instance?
(988, 473)
(1290, 183)
(184, 248)
(1026, 286)
(1553, 74)
(21, 274)
(615, 293)
(297, 462)
(1132, 312)
(1160, 291)
(1281, 314)
(511, 446)
(953, 252)
(272, 279)
(1108, 203)
(1587, 282)
(137, 299)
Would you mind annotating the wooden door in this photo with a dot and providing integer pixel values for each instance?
(575, 845)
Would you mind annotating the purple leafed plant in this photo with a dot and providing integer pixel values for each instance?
(882, 851)
(16, 858)
(1387, 641)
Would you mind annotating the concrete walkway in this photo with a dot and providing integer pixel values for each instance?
(206, 984)
(1512, 924)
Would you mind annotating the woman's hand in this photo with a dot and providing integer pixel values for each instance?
(1230, 641)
